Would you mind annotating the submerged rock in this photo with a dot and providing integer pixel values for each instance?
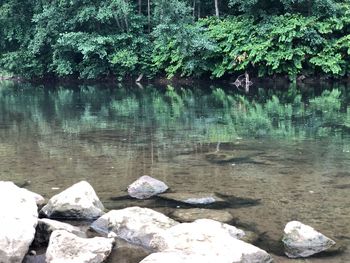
(46, 226)
(303, 241)
(190, 215)
(18, 220)
(207, 239)
(65, 247)
(78, 202)
(146, 187)
(134, 224)
(193, 198)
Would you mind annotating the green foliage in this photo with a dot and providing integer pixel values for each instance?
(96, 39)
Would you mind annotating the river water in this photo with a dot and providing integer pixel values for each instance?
(285, 149)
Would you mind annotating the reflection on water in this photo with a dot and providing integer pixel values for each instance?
(287, 151)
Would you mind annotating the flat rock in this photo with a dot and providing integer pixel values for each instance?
(76, 202)
(65, 247)
(193, 198)
(190, 215)
(303, 241)
(177, 257)
(134, 224)
(18, 219)
(146, 187)
(203, 239)
(46, 226)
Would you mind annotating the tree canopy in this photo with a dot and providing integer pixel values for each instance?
(96, 39)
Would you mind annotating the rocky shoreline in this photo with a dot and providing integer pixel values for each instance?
(28, 222)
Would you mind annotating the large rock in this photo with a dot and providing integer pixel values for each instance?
(193, 198)
(78, 202)
(207, 239)
(177, 257)
(302, 241)
(146, 187)
(46, 226)
(65, 247)
(190, 215)
(18, 219)
(40, 200)
(134, 224)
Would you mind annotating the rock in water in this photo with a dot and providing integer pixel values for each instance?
(76, 202)
(65, 247)
(46, 226)
(208, 240)
(146, 187)
(302, 241)
(189, 215)
(134, 224)
(18, 219)
(193, 198)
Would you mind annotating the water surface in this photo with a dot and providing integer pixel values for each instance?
(288, 150)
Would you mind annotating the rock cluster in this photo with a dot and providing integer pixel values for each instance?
(203, 239)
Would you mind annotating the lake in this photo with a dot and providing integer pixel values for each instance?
(279, 153)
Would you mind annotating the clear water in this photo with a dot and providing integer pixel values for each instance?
(286, 149)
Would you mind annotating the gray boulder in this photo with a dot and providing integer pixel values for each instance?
(209, 240)
(134, 224)
(77, 202)
(65, 247)
(303, 241)
(146, 187)
(18, 220)
(46, 226)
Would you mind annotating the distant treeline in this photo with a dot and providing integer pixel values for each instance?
(118, 38)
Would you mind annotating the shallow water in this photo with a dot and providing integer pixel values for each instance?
(275, 155)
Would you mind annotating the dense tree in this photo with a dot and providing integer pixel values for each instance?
(93, 39)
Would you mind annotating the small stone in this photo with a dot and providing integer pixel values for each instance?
(146, 187)
(303, 241)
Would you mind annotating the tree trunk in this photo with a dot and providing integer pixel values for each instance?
(149, 15)
(194, 9)
(216, 7)
(140, 7)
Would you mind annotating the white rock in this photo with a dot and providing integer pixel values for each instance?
(134, 224)
(78, 201)
(201, 240)
(65, 247)
(177, 257)
(302, 241)
(146, 187)
(219, 226)
(18, 219)
(40, 200)
(46, 226)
